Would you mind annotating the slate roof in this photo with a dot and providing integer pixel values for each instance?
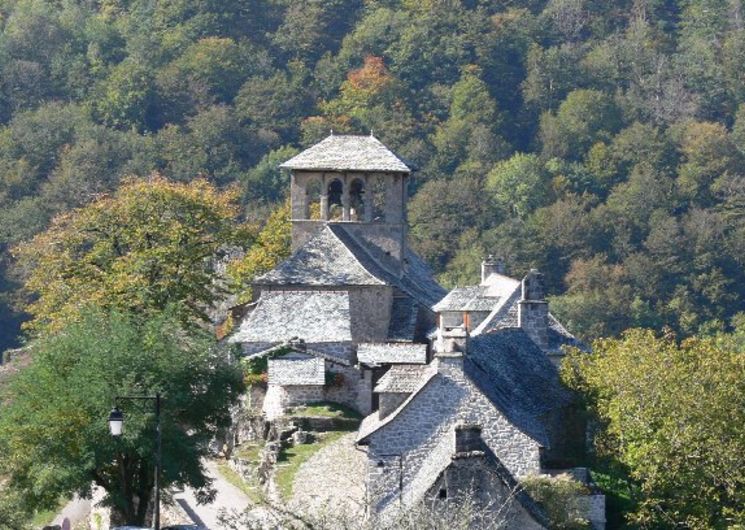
(314, 316)
(297, 369)
(403, 378)
(347, 153)
(513, 372)
(334, 257)
(472, 298)
(495, 465)
(391, 353)
(404, 314)
(323, 260)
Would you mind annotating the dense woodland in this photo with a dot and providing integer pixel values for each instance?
(601, 141)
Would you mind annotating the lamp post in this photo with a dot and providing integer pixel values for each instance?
(116, 427)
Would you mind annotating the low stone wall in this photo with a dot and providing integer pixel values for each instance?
(349, 386)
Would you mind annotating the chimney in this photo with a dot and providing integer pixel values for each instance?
(490, 266)
(532, 310)
(450, 348)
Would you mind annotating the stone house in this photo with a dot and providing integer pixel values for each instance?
(460, 390)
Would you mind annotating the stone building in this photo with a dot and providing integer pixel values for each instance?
(460, 390)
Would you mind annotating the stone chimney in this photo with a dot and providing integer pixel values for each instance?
(450, 348)
(491, 265)
(532, 310)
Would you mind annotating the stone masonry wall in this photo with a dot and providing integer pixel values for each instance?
(447, 400)
(352, 389)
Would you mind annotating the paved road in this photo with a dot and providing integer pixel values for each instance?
(229, 498)
(77, 510)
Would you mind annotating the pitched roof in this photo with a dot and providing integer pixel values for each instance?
(322, 260)
(334, 257)
(347, 153)
(297, 369)
(403, 378)
(513, 372)
(314, 316)
(471, 298)
(391, 353)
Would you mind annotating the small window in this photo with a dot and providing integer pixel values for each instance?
(335, 191)
(443, 494)
(468, 438)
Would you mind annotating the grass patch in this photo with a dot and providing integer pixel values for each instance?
(326, 410)
(252, 490)
(291, 458)
(249, 452)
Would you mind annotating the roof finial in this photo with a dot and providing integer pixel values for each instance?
(331, 132)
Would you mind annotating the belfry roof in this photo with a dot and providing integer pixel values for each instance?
(347, 153)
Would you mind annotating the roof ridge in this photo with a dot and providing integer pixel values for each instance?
(354, 256)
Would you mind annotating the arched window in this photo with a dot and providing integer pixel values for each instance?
(357, 200)
(313, 199)
(376, 198)
(335, 190)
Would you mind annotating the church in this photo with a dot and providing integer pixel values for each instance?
(460, 391)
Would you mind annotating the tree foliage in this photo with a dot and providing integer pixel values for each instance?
(53, 424)
(142, 249)
(673, 413)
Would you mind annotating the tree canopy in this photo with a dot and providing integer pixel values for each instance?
(144, 248)
(558, 133)
(674, 415)
(53, 422)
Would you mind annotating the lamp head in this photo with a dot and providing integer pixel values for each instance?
(116, 422)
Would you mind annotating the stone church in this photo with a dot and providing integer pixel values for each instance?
(460, 390)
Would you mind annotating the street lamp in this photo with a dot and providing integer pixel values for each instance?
(116, 427)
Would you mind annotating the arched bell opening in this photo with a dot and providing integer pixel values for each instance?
(357, 204)
(334, 191)
(313, 201)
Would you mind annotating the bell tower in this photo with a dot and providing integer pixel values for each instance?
(354, 181)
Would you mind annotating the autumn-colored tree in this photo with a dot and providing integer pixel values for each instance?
(271, 247)
(674, 414)
(143, 248)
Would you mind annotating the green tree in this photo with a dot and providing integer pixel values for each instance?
(674, 413)
(142, 249)
(53, 424)
(518, 184)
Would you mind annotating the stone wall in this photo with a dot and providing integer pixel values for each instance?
(471, 480)
(428, 422)
(352, 388)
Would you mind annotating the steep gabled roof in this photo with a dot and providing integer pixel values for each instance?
(334, 257)
(515, 374)
(471, 298)
(402, 378)
(347, 153)
(324, 260)
(314, 316)
(512, 372)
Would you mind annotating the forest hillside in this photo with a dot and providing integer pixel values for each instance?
(601, 141)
